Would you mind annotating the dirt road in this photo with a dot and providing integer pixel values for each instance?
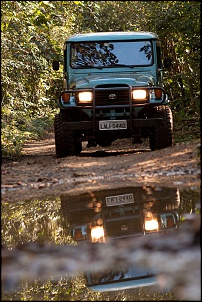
(39, 173)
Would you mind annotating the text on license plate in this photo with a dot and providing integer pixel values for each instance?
(112, 125)
(119, 199)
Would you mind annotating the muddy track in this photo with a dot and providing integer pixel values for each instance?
(39, 173)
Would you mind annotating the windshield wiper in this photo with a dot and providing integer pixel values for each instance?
(97, 67)
(87, 66)
(122, 65)
(110, 66)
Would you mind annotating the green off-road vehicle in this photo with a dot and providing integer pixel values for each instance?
(113, 89)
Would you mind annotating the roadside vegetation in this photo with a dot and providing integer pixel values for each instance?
(32, 36)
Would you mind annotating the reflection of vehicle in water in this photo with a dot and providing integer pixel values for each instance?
(116, 213)
(119, 213)
(123, 278)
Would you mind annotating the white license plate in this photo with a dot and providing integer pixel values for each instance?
(119, 199)
(113, 125)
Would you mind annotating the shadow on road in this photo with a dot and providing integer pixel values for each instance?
(103, 153)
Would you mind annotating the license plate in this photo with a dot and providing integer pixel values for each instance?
(113, 125)
(119, 199)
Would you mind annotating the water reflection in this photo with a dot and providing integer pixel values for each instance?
(98, 217)
(132, 211)
(118, 214)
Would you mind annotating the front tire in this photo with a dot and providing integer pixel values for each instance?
(65, 140)
(162, 137)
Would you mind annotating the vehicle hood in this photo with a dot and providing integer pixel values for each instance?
(90, 81)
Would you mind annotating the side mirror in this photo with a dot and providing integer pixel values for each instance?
(167, 63)
(55, 65)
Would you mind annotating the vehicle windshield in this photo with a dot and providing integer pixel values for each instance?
(119, 275)
(111, 54)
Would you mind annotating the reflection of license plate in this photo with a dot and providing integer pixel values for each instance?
(119, 199)
(113, 125)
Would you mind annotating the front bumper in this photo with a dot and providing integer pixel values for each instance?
(131, 124)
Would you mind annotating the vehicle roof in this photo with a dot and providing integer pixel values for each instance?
(118, 35)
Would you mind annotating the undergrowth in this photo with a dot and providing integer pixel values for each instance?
(16, 132)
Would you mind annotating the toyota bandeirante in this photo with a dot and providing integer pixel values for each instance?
(113, 89)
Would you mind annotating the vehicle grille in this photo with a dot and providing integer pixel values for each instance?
(124, 227)
(121, 96)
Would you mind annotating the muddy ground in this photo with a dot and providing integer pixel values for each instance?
(40, 173)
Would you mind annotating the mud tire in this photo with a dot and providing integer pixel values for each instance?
(162, 137)
(65, 140)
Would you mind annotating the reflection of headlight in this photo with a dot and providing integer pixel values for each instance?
(85, 97)
(139, 94)
(97, 232)
(151, 225)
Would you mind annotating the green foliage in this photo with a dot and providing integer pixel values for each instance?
(17, 128)
(33, 33)
(187, 126)
(12, 141)
(178, 25)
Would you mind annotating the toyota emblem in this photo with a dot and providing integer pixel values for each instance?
(124, 228)
(112, 96)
